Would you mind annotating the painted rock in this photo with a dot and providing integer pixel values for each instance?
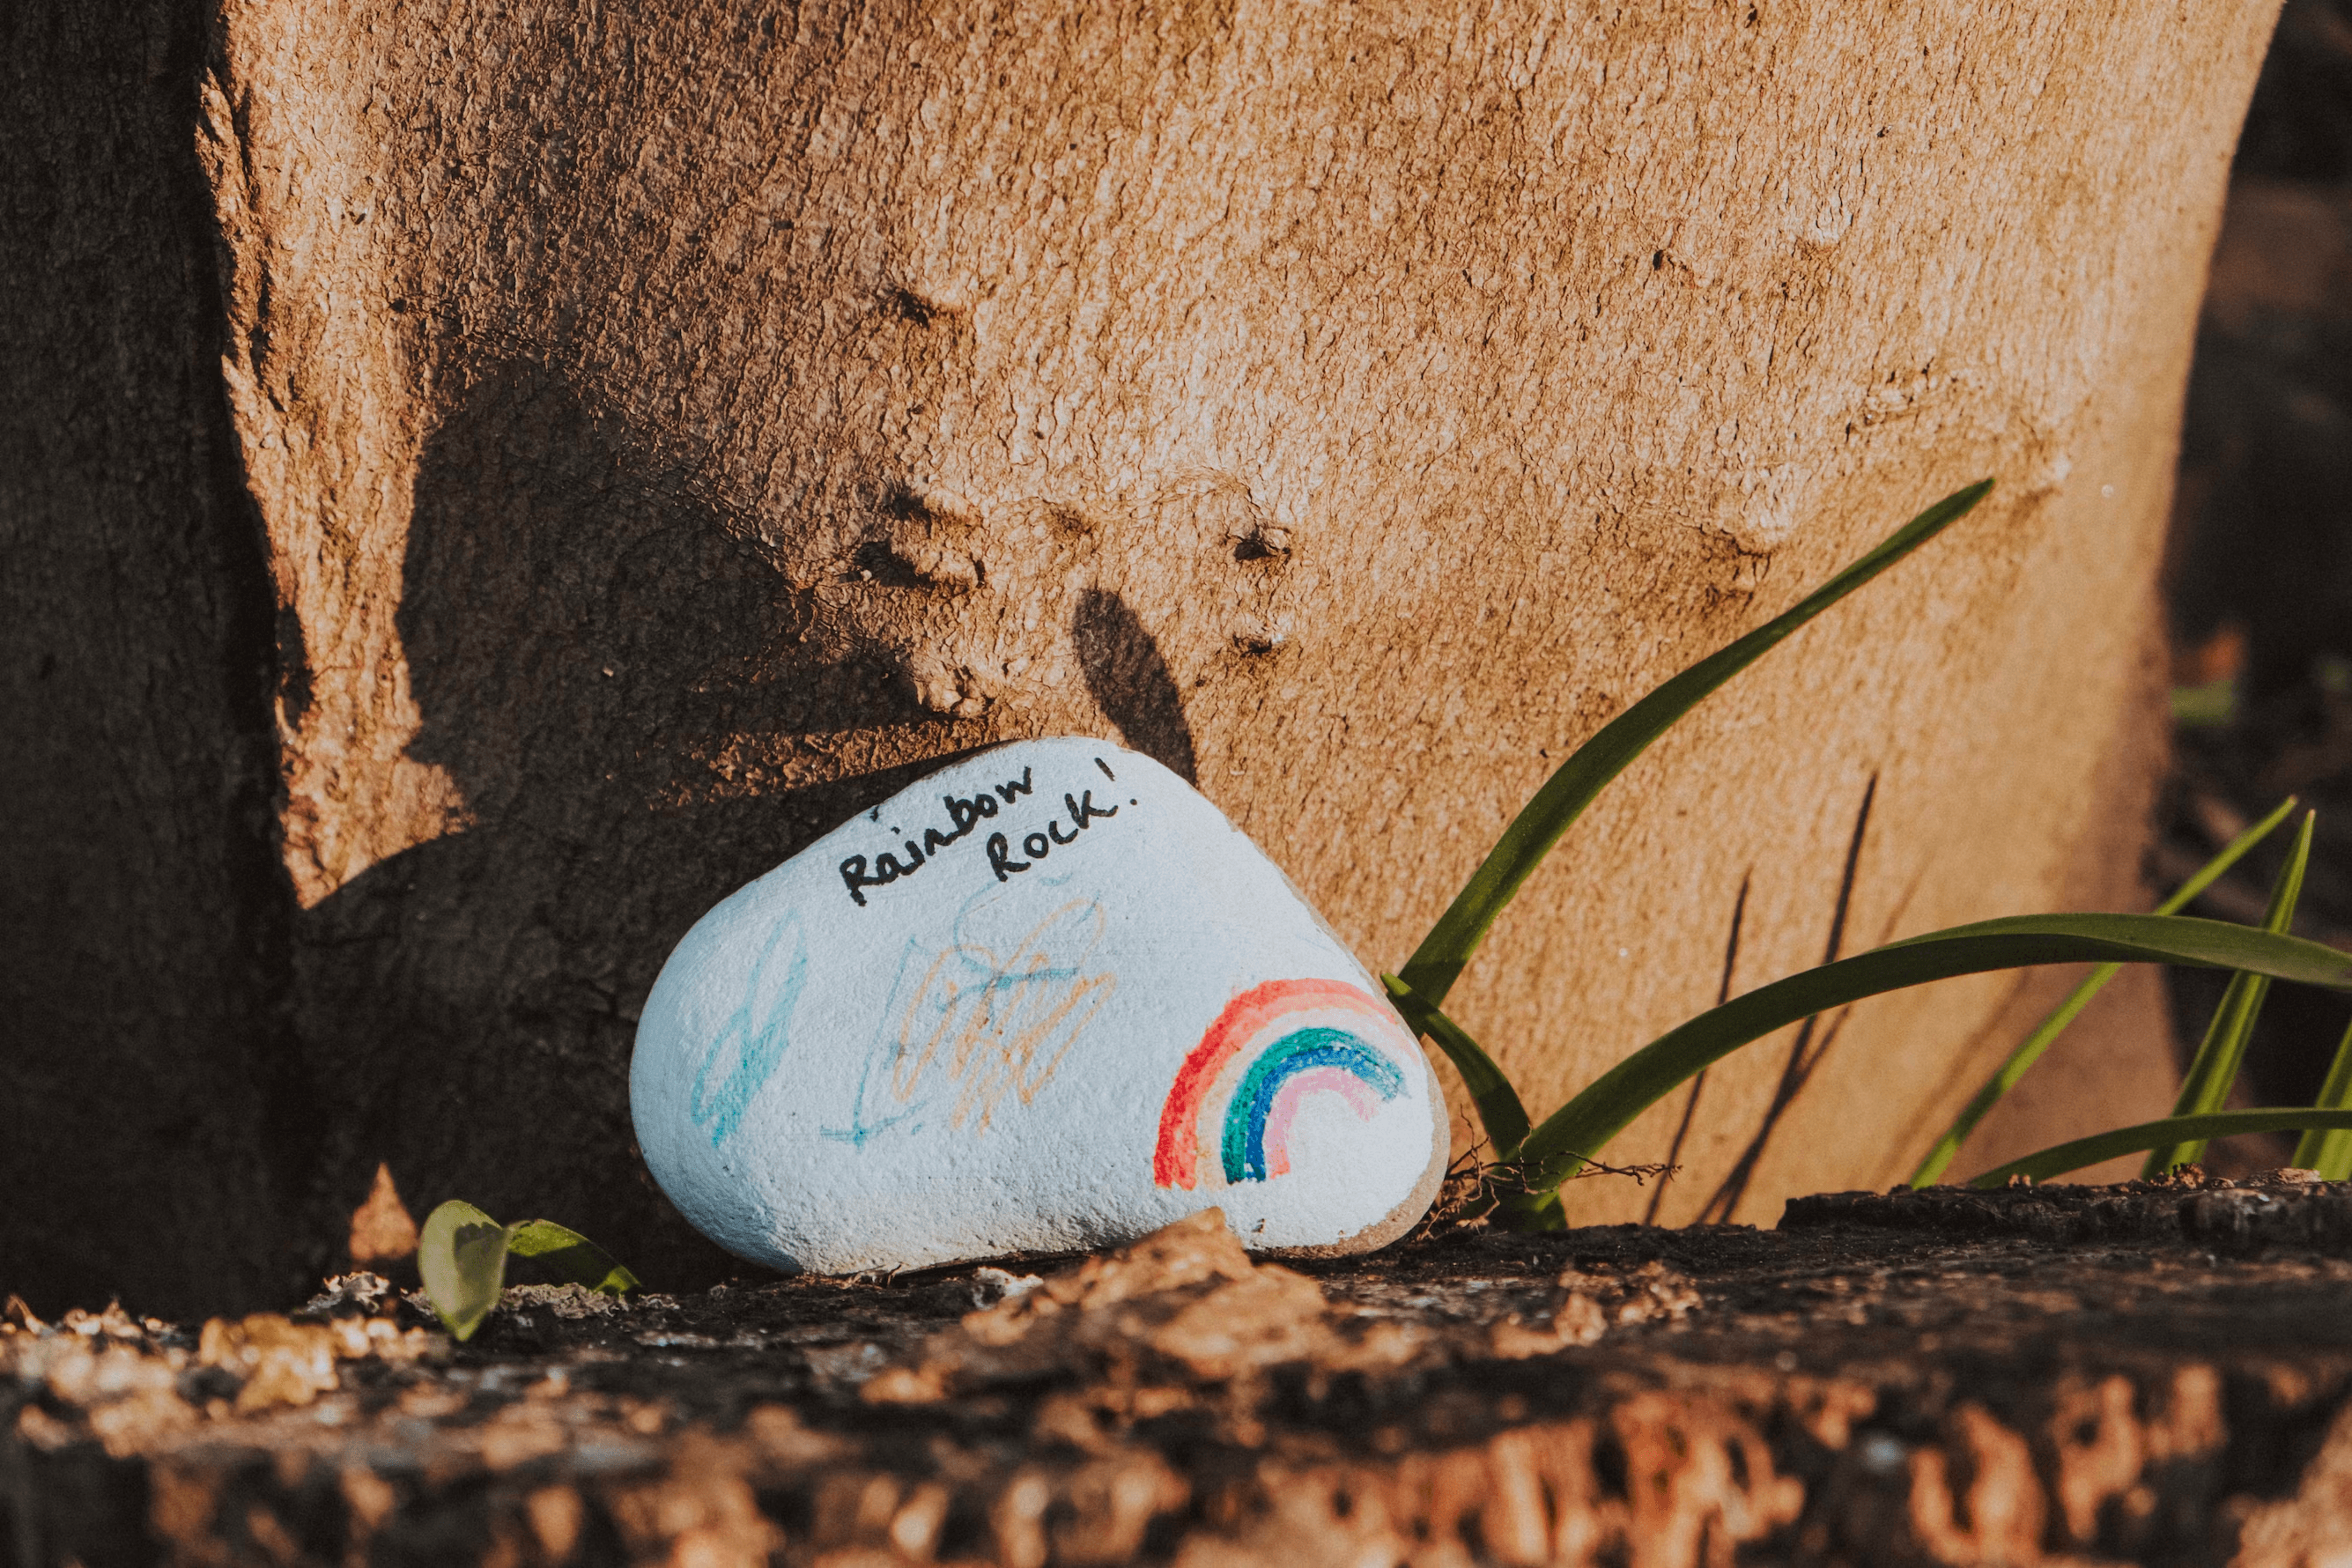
(1048, 999)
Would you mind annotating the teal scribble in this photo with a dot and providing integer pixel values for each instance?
(756, 1032)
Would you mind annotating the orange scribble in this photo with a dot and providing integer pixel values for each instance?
(1003, 1027)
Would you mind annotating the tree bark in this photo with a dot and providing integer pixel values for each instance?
(155, 1132)
(674, 426)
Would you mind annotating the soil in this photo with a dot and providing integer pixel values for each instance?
(2152, 1372)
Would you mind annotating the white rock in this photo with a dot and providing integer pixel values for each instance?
(1047, 999)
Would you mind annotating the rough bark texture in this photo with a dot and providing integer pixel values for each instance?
(672, 427)
(153, 1127)
(2056, 1376)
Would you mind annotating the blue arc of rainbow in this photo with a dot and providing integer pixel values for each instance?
(1290, 1064)
(1270, 1049)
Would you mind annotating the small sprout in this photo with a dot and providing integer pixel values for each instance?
(463, 1255)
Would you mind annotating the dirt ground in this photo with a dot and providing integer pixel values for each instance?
(2152, 1373)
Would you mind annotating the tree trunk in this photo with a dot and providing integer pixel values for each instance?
(156, 1133)
(674, 426)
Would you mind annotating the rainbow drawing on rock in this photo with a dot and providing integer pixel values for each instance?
(1240, 1088)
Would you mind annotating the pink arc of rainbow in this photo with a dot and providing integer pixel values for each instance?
(1361, 1098)
(1175, 1159)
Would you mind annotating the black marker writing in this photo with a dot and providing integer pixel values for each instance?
(858, 873)
(1037, 845)
(964, 814)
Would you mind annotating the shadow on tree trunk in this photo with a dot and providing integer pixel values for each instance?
(590, 643)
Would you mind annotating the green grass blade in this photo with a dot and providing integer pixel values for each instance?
(462, 1254)
(2329, 1151)
(1584, 1127)
(562, 1255)
(2215, 1069)
(2232, 853)
(1438, 962)
(2029, 1050)
(2217, 1058)
(2171, 1131)
(1500, 1109)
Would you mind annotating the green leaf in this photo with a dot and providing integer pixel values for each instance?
(2214, 1068)
(562, 1255)
(2329, 1151)
(2205, 707)
(1584, 1127)
(1500, 1109)
(462, 1254)
(2029, 1050)
(1438, 962)
(2171, 1131)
